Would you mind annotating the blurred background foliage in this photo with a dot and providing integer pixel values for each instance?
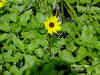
(24, 47)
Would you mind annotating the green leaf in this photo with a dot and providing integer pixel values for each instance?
(95, 2)
(13, 69)
(94, 9)
(52, 72)
(81, 9)
(87, 34)
(30, 34)
(42, 42)
(18, 43)
(30, 60)
(97, 45)
(16, 9)
(4, 23)
(7, 57)
(96, 60)
(85, 1)
(89, 70)
(40, 17)
(55, 50)
(7, 73)
(21, 70)
(60, 42)
(25, 17)
(48, 69)
(31, 47)
(3, 37)
(82, 53)
(66, 56)
(34, 23)
(9, 47)
(15, 27)
(70, 28)
(61, 72)
(39, 52)
(18, 56)
(16, 1)
(13, 17)
(70, 1)
(1, 60)
(51, 1)
(96, 69)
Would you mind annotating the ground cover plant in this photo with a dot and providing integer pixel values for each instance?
(49, 37)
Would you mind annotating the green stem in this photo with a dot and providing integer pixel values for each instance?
(62, 10)
(51, 45)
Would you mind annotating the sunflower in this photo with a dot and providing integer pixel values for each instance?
(52, 25)
(2, 3)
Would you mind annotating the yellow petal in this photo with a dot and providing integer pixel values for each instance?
(46, 25)
(59, 23)
(55, 31)
(1, 4)
(55, 19)
(50, 31)
(3, 0)
(58, 28)
(51, 19)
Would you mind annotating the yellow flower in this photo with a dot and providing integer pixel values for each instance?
(2, 3)
(52, 25)
(3, 0)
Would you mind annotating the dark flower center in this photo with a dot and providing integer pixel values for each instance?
(51, 25)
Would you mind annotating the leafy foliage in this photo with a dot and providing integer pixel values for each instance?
(24, 42)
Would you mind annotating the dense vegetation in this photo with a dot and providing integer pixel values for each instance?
(25, 45)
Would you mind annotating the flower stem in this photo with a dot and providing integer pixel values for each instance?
(51, 51)
(51, 45)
